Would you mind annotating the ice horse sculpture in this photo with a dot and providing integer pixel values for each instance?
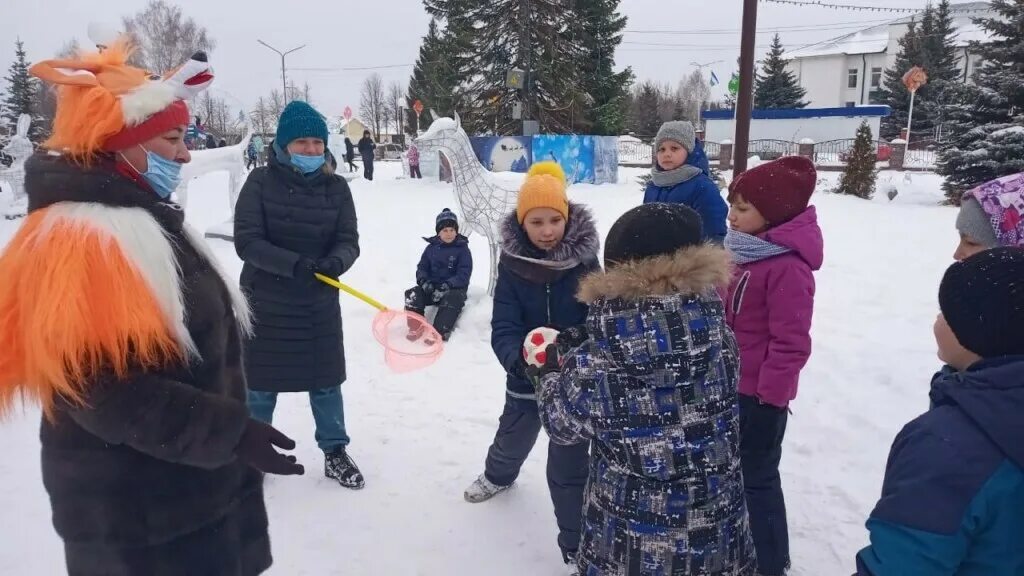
(19, 148)
(482, 200)
(230, 159)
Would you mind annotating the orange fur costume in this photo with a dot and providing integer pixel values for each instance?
(87, 288)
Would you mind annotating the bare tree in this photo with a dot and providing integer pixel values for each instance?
(164, 38)
(396, 97)
(261, 118)
(307, 94)
(373, 104)
(694, 93)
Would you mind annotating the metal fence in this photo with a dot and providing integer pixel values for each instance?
(772, 149)
(713, 150)
(837, 152)
(641, 152)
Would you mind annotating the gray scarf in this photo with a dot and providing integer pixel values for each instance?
(667, 178)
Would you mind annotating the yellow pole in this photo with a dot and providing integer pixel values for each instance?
(352, 291)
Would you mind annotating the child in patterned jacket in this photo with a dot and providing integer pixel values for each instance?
(653, 385)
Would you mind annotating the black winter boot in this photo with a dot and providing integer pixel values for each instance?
(339, 466)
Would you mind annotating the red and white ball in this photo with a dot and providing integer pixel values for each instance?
(536, 345)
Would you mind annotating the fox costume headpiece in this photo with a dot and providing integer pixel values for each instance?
(104, 104)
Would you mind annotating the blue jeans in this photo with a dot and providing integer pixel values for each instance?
(328, 413)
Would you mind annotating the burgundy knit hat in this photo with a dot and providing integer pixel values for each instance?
(780, 190)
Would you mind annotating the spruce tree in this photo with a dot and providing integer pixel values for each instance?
(858, 177)
(646, 101)
(985, 122)
(429, 82)
(600, 32)
(21, 93)
(774, 85)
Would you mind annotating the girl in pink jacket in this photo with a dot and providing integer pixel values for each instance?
(776, 242)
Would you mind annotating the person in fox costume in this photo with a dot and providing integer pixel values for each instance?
(116, 321)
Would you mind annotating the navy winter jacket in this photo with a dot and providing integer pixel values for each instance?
(529, 295)
(446, 263)
(699, 193)
(953, 496)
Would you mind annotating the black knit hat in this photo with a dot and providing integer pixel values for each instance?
(446, 219)
(652, 230)
(982, 299)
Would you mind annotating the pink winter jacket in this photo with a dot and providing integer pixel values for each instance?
(414, 156)
(769, 307)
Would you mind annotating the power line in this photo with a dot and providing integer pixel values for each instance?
(860, 8)
(798, 28)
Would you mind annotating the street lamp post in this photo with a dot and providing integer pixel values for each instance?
(701, 67)
(284, 85)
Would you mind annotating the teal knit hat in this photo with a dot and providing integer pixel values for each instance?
(300, 120)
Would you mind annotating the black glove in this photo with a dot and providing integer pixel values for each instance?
(427, 287)
(329, 266)
(571, 338)
(440, 292)
(305, 268)
(257, 450)
(552, 363)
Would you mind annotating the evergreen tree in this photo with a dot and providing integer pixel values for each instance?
(774, 85)
(646, 102)
(985, 121)
(21, 93)
(432, 81)
(536, 36)
(858, 177)
(600, 32)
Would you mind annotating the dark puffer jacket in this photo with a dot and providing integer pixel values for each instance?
(655, 389)
(446, 263)
(530, 294)
(281, 217)
(143, 479)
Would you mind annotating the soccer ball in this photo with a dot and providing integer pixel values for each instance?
(536, 345)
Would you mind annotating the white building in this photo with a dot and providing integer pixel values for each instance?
(848, 70)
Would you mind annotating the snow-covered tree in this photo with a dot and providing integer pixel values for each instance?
(646, 117)
(22, 93)
(164, 37)
(985, 121)
(600, 25)
(774, 85)
(442, 65)
(859, 176)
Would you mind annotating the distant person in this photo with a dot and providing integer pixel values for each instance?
(350, 155)
(414, 162)
(222, 144)
(366, 148)
(681, 175)
(251, 155)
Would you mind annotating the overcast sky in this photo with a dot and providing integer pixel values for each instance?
(663, 37)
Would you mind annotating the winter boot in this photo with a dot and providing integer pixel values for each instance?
(572, 568)
(482, 490)
(338, 465)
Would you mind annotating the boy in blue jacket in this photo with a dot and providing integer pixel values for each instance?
(953, 497)
(681, 175)
(442, 277)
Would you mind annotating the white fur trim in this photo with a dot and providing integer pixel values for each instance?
(239, 303)
(147, 247)
(146, 100)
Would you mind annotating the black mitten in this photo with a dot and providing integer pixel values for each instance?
(551, 364)
(571, 338)
(257, 450)
(329, 266)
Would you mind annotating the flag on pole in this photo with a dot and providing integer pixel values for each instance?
(714, 79)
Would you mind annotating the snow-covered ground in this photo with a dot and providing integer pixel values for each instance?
(420, 438)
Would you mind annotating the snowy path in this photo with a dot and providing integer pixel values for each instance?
(421, 438)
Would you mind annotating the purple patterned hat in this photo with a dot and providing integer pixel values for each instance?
(1002, 200)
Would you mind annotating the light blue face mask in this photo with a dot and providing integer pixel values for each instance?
(307, 164)
(163, 175)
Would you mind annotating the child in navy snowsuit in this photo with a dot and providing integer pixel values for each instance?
(653, 385)
(953, 496)
(442, 277)
(681, 175)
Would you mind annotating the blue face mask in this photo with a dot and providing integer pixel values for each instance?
(163, 175)
(307, 164)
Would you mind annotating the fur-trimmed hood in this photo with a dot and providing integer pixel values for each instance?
(580, 245)
(689, 271)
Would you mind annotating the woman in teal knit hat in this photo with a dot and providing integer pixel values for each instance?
(295, 217)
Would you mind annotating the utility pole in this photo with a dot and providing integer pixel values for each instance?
(284, 84)
(745, 99)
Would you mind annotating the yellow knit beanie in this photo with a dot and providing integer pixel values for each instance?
(544, 188)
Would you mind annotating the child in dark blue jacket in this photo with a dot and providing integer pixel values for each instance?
(442, 277)
(681, 175)
(547, 245)
(953, 496)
